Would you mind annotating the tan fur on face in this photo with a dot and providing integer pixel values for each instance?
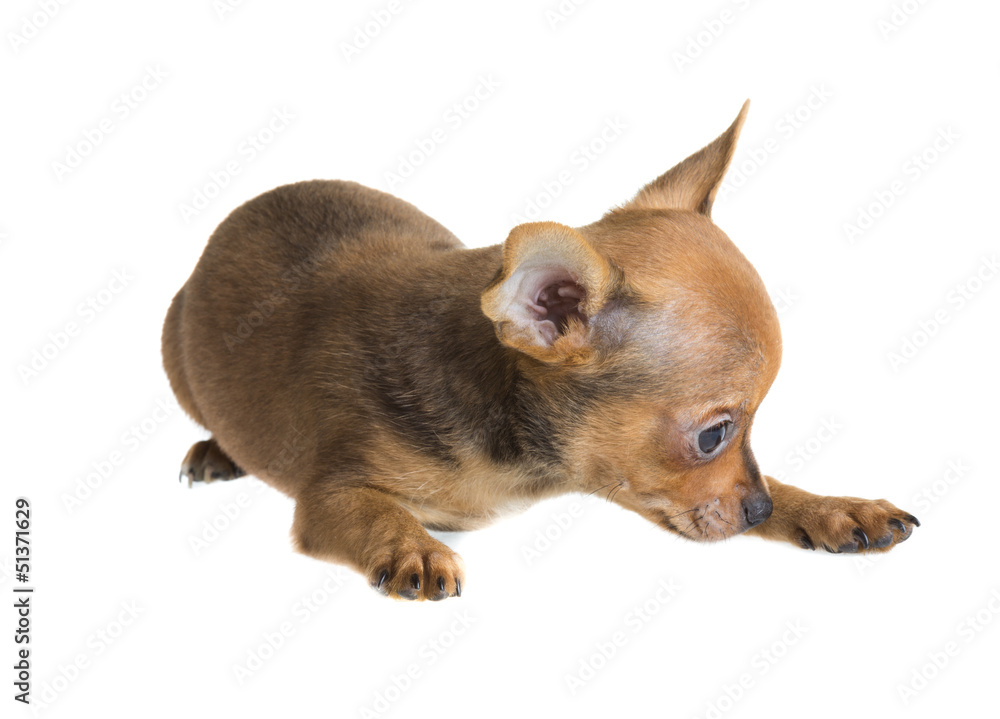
(634, 454)
(706, 299)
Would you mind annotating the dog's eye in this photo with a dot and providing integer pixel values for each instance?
(710, 439)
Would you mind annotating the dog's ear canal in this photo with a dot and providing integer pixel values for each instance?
(551, 284)
(693, 184)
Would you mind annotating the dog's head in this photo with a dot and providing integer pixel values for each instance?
(656, 341)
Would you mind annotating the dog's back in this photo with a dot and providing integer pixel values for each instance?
(275, 271)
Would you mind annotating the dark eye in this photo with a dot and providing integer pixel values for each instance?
(710, 439)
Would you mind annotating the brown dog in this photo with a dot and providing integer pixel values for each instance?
(348, 350)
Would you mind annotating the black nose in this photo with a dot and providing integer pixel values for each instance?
(757, 509)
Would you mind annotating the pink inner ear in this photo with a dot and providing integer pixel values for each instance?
(557, 300)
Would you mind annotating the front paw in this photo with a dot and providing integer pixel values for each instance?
(848, 525)
(417, 570)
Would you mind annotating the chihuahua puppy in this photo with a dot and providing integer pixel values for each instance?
(348, 350)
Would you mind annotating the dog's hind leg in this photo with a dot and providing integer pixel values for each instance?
(206, 462)
(173, 358)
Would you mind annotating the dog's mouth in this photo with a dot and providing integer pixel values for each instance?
(703, 523)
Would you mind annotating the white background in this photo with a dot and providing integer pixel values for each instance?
(868, 628)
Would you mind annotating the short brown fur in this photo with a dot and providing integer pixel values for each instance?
(347, 349)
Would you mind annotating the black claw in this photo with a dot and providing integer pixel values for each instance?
(913, 520)
(381, 579)
(415, 581)
(897, 524)
(442, 592)
(860, 535)
(805, 541)
(458, 587)
(883, 542)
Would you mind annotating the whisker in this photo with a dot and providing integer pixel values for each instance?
(695, 509)
(599, 489)
(723, 518)
(612, 490)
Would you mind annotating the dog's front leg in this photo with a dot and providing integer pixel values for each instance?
(368, 530)
(837, 524)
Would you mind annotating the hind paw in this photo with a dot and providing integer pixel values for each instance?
(206, 462)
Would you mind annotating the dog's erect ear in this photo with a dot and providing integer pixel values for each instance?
(692, 184)
(551, 283)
